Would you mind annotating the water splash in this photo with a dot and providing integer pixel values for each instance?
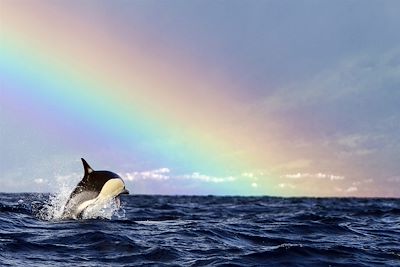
(101, 211)
(53, 208)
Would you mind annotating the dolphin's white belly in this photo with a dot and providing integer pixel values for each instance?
(87, 199)
(71, 209)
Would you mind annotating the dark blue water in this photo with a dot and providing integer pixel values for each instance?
(205, 231)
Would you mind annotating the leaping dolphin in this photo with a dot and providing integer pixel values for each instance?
(96, 187)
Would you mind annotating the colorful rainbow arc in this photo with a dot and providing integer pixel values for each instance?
(85, 92)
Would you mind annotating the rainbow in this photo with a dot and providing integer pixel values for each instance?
(61, 74)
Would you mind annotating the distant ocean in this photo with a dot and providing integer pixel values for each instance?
(203, 231)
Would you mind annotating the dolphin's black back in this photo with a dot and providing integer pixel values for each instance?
(92, 181)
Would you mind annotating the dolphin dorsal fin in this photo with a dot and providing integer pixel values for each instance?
(86, 167)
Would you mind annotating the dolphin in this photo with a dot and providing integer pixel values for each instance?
(95, 188)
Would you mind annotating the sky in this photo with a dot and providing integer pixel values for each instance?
(279, 98)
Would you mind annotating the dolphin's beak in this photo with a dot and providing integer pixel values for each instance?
(125, 192)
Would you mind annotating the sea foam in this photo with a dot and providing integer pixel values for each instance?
(53, 208)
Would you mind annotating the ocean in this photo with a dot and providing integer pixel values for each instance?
(202, 231)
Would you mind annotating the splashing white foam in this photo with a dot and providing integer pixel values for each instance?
(104, 211)
(54, 208)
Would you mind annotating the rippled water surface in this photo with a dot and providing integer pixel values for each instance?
(199, 231)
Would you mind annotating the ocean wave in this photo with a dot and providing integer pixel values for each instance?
(199, 231)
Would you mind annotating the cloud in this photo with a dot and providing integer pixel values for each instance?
(352, 189)
(157, 174)
(319, 175)
(363, 74)
(69, 177)
(360, 182)
(163, 174)
(255, 175)
(353, 140)
(40, 180)
(286, 185)
(358, 144)
(207, 178)
(295, 176)
(248, 174)
(255, 185)
(394, 179)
